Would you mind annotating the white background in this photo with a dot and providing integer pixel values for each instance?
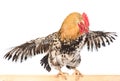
(23, 20)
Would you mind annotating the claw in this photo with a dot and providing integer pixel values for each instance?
(77, 75)
(62, 75)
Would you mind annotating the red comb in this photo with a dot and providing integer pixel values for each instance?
(85, 19)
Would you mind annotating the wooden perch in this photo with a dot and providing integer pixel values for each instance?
(53, 78)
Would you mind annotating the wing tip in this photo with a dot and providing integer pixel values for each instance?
(104, 37)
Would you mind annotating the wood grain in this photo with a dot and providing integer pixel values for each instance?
(54, 78)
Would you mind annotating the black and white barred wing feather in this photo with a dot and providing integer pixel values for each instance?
(28, 49)
(96, 39)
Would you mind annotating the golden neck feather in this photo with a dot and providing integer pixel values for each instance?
(69, 29)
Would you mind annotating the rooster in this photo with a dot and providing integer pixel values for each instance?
(62, 48)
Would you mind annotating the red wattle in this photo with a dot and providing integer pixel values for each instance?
(82, 27)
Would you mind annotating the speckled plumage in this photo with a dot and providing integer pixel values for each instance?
(63, 48)
(60, 53)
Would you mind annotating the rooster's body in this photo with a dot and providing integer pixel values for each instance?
(63, 48)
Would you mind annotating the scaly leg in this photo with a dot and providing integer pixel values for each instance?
(62, 74)
(77, 74)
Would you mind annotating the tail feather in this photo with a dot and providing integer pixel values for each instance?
(44, 62)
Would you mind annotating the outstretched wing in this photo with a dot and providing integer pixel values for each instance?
(28, 49)
(96, 39)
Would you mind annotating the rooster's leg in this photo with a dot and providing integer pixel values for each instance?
(77, 74)
(62, 74)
